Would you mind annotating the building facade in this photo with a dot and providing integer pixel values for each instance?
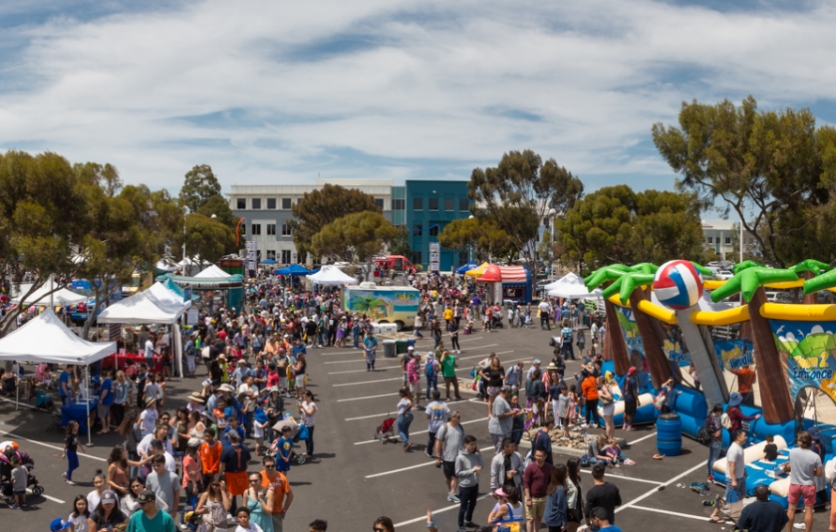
(424, 207)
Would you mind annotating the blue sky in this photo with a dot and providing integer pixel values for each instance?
(280, 92)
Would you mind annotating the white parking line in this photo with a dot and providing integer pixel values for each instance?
(53, 499)
(360, 353)
(654, 490)
(392, 413)
(690, 516)
(366, 382)
(361, 370)
(355, 351)
(417, 466)
(84, 455)
(398, 367)
(610, 474)
(642, 438)
(369, 417)
(421, 431)
(366, 397)
(484, 355)
(441, 510)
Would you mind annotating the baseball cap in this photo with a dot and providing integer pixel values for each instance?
(410, 348)
(59, 524)
(146, 496)
(536, 361)
(108, 496)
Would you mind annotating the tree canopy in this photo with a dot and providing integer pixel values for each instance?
(520, 192)
(200, 185)
(774, 169)
(481, 236)
(354, 237)
(320, 207)
(208, 238)
(617, 225)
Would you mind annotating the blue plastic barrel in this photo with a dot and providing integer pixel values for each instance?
(669, 434)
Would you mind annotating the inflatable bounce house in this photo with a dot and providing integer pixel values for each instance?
(669, 323)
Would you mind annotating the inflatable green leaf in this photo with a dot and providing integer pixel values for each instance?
(750, 279)
(702, 269)
(644, 267)
(626, 283)
(810, 265)
(746, 264)
(821, 282)
(607, 273)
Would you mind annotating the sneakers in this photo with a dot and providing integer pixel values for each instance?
(461, 529)
(453, 498)
(16, 507)
(471, 524)
(229, 517)
(70, 482)
(629, 462)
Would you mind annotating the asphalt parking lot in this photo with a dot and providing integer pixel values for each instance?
(356, 479)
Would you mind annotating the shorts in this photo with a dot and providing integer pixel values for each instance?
(797, 492)
(236, 483)
(609, 410)
(630, 408)
(493, 391)
(564, 421)
(537, 508)
(300, 381)
(259, 441)
(103, 410)
(449, 469)
(19, 493)
(449, 379)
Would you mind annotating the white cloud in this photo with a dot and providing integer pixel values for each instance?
(425, 81)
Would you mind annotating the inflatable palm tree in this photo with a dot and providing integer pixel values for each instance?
(811, 270)
(749, 279)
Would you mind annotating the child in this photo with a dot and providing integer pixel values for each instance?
(613, 451)
(259, 421)
(20, 477)
(564, 405)
(573, 403)
(79, 515)
(284, 447)
(291, 380)
(71, 445)
(770, 450)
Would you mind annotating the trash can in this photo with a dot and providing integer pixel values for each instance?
(389, 348)
(400, 346)
(669, 434)
(410, 343)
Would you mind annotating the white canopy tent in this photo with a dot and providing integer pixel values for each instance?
(166, 296)
(145, 308)
(212, 272)
(41, 296)
(331, 275)
(166, 265)
(46, 339)
(571, 286)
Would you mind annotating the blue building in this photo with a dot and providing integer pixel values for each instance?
(426, 207)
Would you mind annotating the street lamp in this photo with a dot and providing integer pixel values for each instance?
(185, 212)
(470, 247)
(552, 216)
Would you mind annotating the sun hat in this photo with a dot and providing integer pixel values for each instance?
(194, 442)
(59, 524)
(499, 492)
(150, 401)
(631, 371)
(735, 399)
(551, 366)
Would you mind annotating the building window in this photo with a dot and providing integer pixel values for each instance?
(241, 203)
(434, 230)
(417, 204)
(433, 204)
(464, 204)
(728, 240)
(710, 240)
(379, 203)
(286, 230)
(271, 206)
(416, 257)
(256, 203)
(285, 204)
(256, 229)
(285, 256)
(418, 230)
(463, 257)
(398, 204)
(448, 204)
(271, 231)
(271, 254)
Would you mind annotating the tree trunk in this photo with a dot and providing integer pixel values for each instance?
(774, 387)
(657, 362)
(615, 347)
(810, 299)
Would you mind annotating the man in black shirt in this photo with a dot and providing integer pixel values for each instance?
(603, 494)
(763, 515)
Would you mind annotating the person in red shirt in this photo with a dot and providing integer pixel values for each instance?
(746, 377)
(735, 414)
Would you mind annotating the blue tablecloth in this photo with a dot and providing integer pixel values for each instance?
(78, 412)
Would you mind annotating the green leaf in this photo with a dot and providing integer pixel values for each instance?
(750, 279)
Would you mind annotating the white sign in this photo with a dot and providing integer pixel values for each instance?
(192, 316)
(435, 247)
(434, 267)
(434, 257)
(251, 246)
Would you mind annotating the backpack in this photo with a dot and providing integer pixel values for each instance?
(726, 421)
(429, 370)
(704, 435)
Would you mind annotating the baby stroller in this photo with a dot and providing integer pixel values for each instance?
(44, 402)
(32, 484)
(496, 321)
(386, 430)
(295, 433)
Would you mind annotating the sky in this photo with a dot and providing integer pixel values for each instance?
(280, 92)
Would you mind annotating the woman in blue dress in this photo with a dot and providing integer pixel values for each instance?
(260, 503)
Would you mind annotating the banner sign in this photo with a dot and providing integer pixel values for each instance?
(809, 348)
(673, 345)
(734, 354)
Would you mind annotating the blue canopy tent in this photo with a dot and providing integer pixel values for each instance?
(466, 268)
(269, 261)
(294, 270)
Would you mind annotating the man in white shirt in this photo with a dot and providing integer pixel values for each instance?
(545, 312)
(248, 394)
(159, 433)
(736, 468)
(149, 352)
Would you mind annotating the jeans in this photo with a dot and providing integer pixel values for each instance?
(431, 444)
(309, 447)
(568, 352)
(432, 382)
(248, 424)
(72, 463)
(592, 411)
(404, 421)
(356, 341)
(467, 496)
(714, 450)
(455, 343)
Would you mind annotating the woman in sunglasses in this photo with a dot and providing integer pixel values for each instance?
(214, 505)
(259, 502)
(383, 524)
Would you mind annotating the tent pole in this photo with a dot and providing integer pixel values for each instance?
(17, 394)
(89, 426)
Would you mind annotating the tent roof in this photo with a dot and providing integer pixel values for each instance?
(496, 274)
(47, 339)
(331, 275)
(490, 275)
(571, 286)
(476, 272)
(141, 308)
(167, 296)
(293, 269)
(212, 272)
(466, 267)
(166, 265)
(61, 297)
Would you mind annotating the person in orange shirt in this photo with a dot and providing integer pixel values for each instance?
(282, 494)
(746, 377)
(210, 456)
(589, 389)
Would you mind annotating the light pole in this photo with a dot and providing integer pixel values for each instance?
(185, 212)
(552, 216)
